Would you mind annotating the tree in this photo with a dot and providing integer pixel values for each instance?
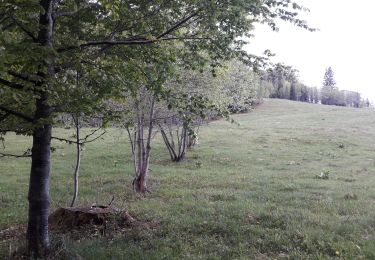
(367, 102)
(293, 92)
(315, 95)
(304, 94)
(140, 134)
(329, 80)
(284, 81)
(43, 42)
(329, 92)
(179, 126)
(238, 85)
(331, 95)
(78, 121)
(136, 103)
(356, 99)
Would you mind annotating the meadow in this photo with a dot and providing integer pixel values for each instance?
(291, 180)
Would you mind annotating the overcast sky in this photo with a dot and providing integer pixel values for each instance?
(346, 42)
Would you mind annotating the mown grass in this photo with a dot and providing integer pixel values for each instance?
(245, 192)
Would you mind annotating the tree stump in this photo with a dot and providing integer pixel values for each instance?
(69, 218)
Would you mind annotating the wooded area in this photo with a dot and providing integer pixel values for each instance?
(143, 66)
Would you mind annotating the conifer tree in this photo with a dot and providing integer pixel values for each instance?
(329, 80)
(329, 92)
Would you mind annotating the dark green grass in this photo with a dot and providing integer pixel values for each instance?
(245, 192)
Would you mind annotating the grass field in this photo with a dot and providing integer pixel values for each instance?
(245, 192)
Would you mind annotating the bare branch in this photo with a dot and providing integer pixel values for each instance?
(177, 25)
(18, 114)
(92, 133)
(83, 140)
(94, 139)
(64, 140)
(15, 155)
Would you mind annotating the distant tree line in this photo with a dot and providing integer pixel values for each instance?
(281, 81)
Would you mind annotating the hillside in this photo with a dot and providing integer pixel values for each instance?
(246, 191)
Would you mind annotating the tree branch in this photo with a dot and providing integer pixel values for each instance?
(65, 14)
(4, 117)
(25, 132)
(25, 155)
(8, 26)
(136, 41)
(11, 84)
(83, 140)
(139, 41)
(18, 114)
(23, 76)
(92, 133)
(64, 140)
(94, 139)
(23, 28)
(177, 25)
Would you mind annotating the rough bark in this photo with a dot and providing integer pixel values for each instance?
(39, 200)
(38, 196)
(140, 184)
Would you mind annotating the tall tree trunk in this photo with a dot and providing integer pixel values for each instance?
(39, 200)
(38, 196)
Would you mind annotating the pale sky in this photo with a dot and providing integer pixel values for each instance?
(346, 42)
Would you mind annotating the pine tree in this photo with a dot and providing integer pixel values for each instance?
(329, 80)
(329, 90)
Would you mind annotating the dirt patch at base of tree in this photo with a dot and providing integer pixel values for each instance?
(106, 219)
(12, 233)
(79, 223)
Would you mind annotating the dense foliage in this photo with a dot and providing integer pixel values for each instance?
(73, 55)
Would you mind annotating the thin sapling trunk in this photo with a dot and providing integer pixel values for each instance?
(176, 149)
(140, 141)
(77, 125)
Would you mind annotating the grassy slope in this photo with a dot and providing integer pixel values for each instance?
(265, 167)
